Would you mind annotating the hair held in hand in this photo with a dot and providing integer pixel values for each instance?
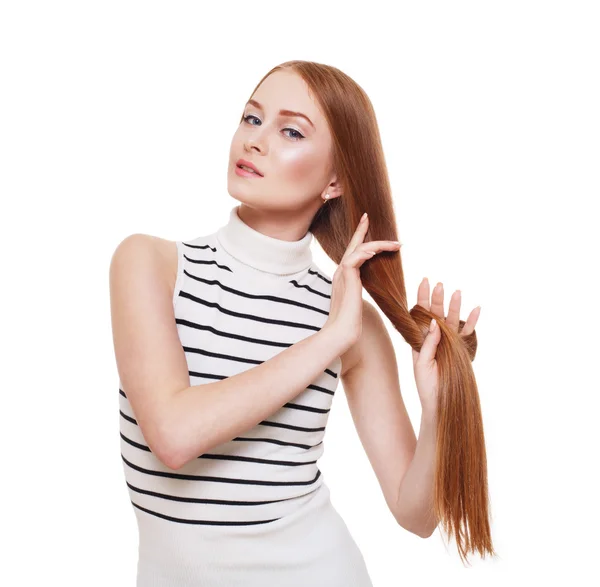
(461, 500)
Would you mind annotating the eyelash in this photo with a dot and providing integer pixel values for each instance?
(288, 128)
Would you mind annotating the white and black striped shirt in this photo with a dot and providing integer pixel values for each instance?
(240, 298)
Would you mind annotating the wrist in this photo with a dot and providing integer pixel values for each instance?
(428, 411)
(335, 339)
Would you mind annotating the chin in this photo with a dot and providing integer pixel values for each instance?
(243, 194)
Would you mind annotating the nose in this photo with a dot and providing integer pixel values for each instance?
(257, 139)
(252, 143)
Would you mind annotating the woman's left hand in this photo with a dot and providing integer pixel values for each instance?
(424, 363)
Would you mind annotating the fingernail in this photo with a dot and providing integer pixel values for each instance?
(432, 325)
(363, 216)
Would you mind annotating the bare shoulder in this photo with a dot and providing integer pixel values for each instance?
(140, 247)
(372, 327)
(167, 250)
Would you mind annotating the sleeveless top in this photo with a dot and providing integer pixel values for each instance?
(240, 298)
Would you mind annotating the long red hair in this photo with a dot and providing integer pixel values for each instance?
(461, 500)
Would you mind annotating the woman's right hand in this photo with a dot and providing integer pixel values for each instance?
(345, 312)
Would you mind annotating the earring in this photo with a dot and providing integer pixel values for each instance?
(326, 196)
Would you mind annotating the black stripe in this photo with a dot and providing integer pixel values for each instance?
(262, 319)
(207, 262)
(320, 276)
(228, 457)
(128, 418)
(206, 375)
(310, 289)
(200, 500)
(189, 349)
(213, 249)
(332, 373)
(323, 389)
(261, 296)
(184, 322)
(307, 408)
(203, 522)
(290, 426)
(231, 480)
(136, 444)
(276, 441)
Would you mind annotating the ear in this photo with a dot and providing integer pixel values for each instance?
(334, 189)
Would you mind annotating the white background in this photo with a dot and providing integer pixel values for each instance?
(116, 118)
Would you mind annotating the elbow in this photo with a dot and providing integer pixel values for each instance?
(165, 453)
(174, 453)
(164, 448)
(421, 532)
(172, 444)
(425, 534)
(169, 459)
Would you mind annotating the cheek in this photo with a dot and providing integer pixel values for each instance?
(299, 165)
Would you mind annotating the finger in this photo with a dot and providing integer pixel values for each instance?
(357, 237)
(429, 346)
(357, 258)
(423, 294)
(471, 321)
(437, 300)
(378, 246)
(453, 318)
(368, 251)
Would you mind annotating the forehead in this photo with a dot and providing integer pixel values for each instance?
(288, 91)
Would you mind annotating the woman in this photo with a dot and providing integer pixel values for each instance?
(230, 346)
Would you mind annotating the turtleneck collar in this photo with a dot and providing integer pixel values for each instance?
(264, 252)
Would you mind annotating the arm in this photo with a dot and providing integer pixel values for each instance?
(179, 421)
(203, 416)
(403, 466)
(415, 496)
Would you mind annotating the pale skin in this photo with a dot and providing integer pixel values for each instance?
(296, 176)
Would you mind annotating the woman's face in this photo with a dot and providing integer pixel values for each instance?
(293, 154)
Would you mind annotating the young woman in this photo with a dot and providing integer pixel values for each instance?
(230, 346)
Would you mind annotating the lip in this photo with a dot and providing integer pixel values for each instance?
(248, 164)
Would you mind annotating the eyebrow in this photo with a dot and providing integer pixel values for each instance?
(284, 112)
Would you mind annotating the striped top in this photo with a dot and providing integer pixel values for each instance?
(240, 298)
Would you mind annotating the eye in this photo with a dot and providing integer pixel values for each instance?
(300, 135)
(294, 138)
(249, 116)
